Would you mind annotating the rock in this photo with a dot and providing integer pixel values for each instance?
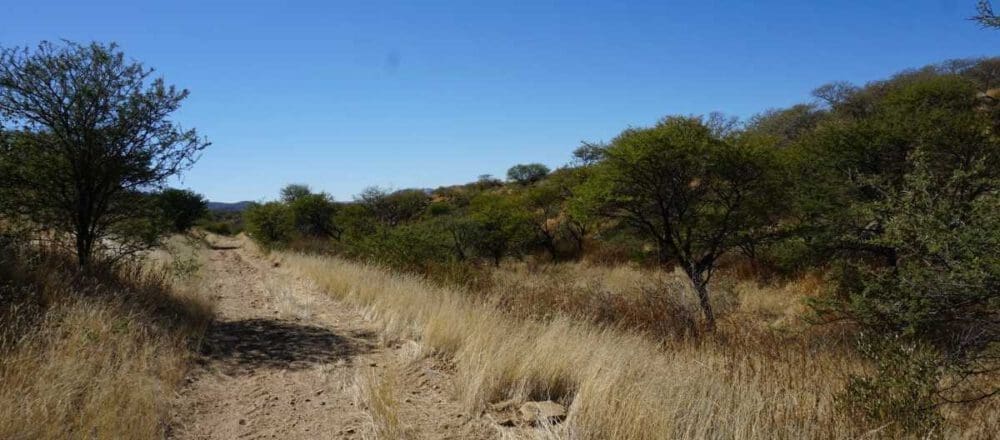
(243, 422)
(547, 411)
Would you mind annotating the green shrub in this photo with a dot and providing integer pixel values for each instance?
(181, 208)
(270, 224)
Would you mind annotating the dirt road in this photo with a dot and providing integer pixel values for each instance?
(286, 361)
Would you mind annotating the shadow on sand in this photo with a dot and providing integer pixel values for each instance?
(243, 346)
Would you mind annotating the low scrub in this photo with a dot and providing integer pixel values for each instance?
(91, 354)
(747, 380)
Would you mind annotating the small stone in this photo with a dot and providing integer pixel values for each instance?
(243, 422)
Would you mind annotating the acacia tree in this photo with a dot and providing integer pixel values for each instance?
(393, 208)
(499, 227)
(546, 205)
(692, 193)
(294, 191)
(526, 174)
(94, 133)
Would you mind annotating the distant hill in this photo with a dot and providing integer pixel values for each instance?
(228, 207)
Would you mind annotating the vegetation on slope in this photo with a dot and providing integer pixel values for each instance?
(889, 191)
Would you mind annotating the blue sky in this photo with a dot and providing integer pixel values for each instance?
(343, 95)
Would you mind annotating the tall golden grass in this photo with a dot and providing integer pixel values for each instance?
(95, 354)
(378, 395)
(763, 374)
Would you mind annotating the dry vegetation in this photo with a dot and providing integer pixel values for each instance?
(378, 394)
(532, 335)
(96, 354)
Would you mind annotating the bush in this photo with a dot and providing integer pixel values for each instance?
(410, 248)
(313, 215)
(181, 208)
(270, 224)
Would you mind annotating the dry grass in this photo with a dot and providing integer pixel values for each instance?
(763, 375)
(94, 355)
(378, 395)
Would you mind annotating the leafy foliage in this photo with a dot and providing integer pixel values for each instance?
(393, 208)
(890, 188)
(905, 194)
(312, 213)
(91, 133)
(525, 174)
(270, 224)
(181, 208)
(691, 193)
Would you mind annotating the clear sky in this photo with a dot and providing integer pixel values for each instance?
(342, 95)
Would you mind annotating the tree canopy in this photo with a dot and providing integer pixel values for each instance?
(693, 194)
(527, 173)
(92, 131)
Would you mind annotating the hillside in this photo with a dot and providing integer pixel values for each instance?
(226, 207)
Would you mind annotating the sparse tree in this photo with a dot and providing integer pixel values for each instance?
(94, 133)
(696, 196)
(487, 181)
(294, 191)
(526, 174)
(834, 93)
(588, 153)
(499, 227)
(393, 208)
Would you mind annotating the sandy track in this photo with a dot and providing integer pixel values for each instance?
(283, 359)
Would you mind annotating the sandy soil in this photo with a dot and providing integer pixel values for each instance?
(283, 359)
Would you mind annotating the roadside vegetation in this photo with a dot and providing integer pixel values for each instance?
(96, 332)
(829, 269)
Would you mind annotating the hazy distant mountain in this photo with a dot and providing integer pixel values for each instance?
(228, 207)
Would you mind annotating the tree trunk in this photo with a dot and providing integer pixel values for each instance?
(701, 287)
(84, 247)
